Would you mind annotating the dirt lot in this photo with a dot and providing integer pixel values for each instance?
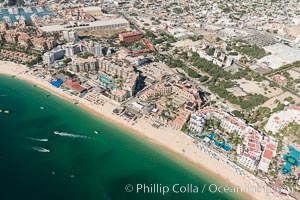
(102, 33)
(271, 102)
(258, 88)
(293, 30)
(295, 73)
(237, 91)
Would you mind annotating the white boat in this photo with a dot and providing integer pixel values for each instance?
(41, 149)
(42, 107)
(96, 132)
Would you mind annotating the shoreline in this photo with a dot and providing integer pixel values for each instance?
(174, 142)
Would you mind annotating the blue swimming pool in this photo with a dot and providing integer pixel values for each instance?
(108, 82)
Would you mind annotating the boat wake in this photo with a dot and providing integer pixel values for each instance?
(39, 139)
(41, 149)
(64, 134)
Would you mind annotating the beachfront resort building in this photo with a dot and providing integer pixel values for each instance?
(53, 55)
(228, 122)
(74, 86)
(85, 65)
(250, 153)
(114, 68)
(281, 119)
(269, 146)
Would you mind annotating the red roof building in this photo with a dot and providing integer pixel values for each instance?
(75, 86)
(130, 36)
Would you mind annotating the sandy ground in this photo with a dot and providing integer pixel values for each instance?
(258, 88)
(238, 92)
(272, 104)
(102, 33)
(295, 73)
(293, 30)
(173, 141)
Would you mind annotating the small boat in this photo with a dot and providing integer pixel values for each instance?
(42, 107)
(96, 132)
(7, 111)
(34, 86)
(47, 95)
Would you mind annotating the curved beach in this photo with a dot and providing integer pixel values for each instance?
(173, 141)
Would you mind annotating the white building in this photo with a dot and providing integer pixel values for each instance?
(196, 123)
(71, 49)
(70, 35)
(53, 55)
(85, 65)
(250, 153)
(106, 24)
(270, 146)
(98, 49)
(94, 48)
(281, 55)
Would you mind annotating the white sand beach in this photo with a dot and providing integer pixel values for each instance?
(173, 141)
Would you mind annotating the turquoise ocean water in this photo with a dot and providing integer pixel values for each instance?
(81, 165)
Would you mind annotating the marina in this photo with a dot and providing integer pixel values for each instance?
(12, 15)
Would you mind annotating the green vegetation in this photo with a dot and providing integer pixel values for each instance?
(292, 130)
(178, 10)
(290, 100)
(210, 51)
(227, 10)
(252, 51)
(203, 78)
(221, 80)
(278, 108)
(234, 139)
(133, 45)
(159, 39)
(67, 60)
(259, 115)
(196, 37)
(84, 55)
(185, 128)
(67, 73)
(174, 63)
(237, 114)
